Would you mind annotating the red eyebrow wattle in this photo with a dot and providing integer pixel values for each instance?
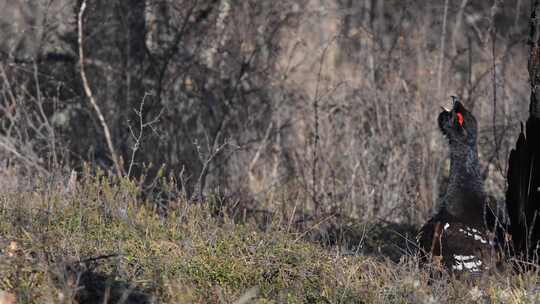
(460, 118)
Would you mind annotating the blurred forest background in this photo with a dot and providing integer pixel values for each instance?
(304, 107)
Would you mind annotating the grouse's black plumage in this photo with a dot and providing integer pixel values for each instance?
(460, 235)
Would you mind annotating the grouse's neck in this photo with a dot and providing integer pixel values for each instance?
(465, 196)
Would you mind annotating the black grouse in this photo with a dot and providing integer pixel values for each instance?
(460, 235)
(465, 234)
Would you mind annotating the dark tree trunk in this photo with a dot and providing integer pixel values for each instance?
(534, 59)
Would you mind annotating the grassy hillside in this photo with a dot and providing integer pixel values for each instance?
(94, 241)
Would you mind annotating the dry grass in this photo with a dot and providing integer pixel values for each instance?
(98, 242)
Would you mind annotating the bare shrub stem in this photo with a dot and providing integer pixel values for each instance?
(138, 137)
(213, 152)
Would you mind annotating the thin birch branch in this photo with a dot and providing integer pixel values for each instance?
(91, 97)
(443, 46)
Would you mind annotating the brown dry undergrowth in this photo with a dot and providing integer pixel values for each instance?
(96, 241)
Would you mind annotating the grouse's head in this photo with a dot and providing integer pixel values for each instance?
(458, 124)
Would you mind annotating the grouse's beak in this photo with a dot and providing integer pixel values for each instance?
(453, 106)
(455, 101)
